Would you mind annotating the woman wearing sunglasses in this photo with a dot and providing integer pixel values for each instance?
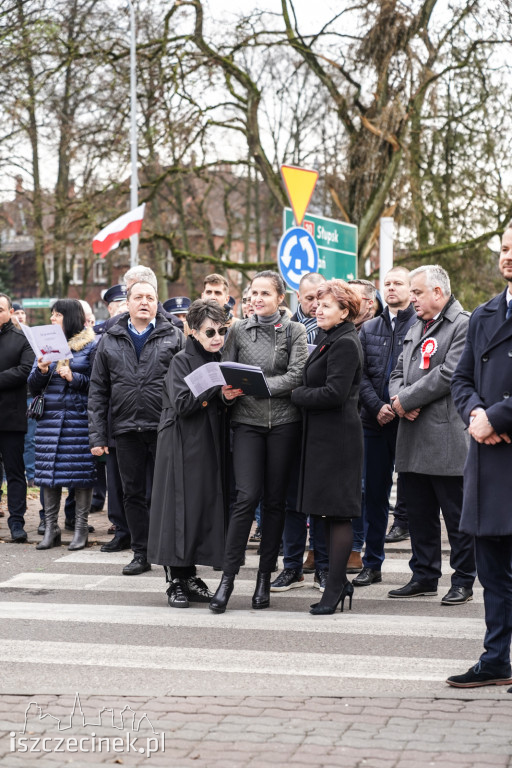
(189, 500)
(266, 432)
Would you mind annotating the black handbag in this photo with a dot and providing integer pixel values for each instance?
(36, 407)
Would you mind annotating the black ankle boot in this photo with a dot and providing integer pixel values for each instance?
(220, 599)
(261, 597)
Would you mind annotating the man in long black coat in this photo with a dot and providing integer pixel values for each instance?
(482, 389)
(16, 358)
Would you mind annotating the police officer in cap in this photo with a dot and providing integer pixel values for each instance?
(115, 299)
(178, 306)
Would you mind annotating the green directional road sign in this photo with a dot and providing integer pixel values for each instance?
(336, 242)
(37, 303)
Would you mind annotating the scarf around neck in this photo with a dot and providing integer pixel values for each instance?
(309, 323)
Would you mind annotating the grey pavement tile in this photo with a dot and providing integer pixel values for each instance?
(243, 721)
(286, 738)
(497, 749)
(316, 738)
(230, 737)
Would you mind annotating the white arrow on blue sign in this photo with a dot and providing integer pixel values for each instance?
(297, 254)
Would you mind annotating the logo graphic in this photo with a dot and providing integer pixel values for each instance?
(125, 720)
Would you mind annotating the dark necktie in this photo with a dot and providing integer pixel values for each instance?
(427, 325)
(509, 310)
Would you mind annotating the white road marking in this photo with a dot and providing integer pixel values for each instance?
(438, 627)
(239, 661)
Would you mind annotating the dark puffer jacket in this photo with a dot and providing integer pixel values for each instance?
(252, 343)
(127, 389)
(381, 350)
(63, 457)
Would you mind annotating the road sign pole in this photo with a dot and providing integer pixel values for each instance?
(385, 247)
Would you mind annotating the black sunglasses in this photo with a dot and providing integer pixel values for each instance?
(210, 332)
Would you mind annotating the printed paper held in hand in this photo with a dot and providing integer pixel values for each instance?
(207, 376)
(249, 378)
(48, 342)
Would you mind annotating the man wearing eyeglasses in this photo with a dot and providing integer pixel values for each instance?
(128, 374)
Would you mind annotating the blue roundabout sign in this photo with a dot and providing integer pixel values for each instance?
(297, 254)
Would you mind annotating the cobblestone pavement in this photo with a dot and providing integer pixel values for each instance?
(252, 732)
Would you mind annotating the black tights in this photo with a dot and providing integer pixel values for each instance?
(338, 537)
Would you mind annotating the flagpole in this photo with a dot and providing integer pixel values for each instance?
(134, 239)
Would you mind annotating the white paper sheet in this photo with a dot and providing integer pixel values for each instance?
(48, 342)
(203, 378)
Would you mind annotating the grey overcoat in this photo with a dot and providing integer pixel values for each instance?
(436, 443)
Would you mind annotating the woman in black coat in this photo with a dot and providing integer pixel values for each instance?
(189, 501)
(332, 446)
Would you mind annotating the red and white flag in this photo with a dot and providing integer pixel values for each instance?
(122, 228)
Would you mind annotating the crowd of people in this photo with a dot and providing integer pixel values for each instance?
(359, 386)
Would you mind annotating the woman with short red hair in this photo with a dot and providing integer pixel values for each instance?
(332, 447)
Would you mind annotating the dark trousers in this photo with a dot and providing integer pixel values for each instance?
(183, 572)
(296, 528)
(99, 490)
(12, 445)
(424, 496)
(115, 506)
(136, 460)
(262, 459)
(379, 462)
(494, 566)
(400, 516)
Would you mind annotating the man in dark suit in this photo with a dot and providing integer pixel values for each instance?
(482, 389)
(126, 384)
(432, 443)
(382, 342)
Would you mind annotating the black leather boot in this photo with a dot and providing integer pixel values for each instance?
(52, 536)
(220, 599)
(82, 504)
(261, 597)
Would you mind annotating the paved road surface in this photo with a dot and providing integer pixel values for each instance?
(248, 688)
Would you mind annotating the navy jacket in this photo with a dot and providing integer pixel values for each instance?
(63, 456)
(381, 350)
(483, 379)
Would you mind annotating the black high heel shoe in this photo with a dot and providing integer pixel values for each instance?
(261, 597)
(317, 609)
(221, 597)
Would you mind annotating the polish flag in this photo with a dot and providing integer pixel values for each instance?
(121, 229)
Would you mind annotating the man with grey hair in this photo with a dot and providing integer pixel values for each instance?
(125, 398)
(432, 442)
(142, 274)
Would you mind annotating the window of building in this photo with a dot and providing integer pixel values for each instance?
(75, 265)
(99, 271)
(49, 268)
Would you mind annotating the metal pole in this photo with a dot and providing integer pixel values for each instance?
(134, 240)
(385, 247)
